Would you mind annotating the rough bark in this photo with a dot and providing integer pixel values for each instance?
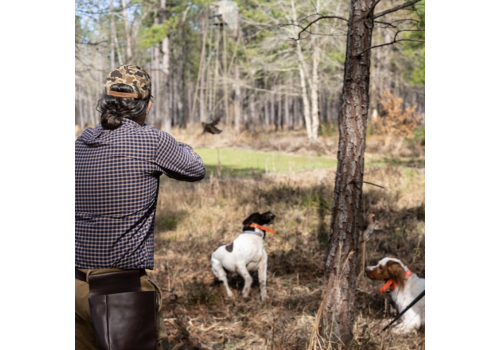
(342, 261)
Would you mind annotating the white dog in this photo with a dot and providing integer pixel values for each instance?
(246, 253)
(404, 286)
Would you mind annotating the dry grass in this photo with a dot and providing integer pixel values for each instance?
(194, 219)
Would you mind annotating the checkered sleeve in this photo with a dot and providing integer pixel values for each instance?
(178, 160)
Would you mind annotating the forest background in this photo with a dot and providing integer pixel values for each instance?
(241, 61)
(459, 127)
(273, 73)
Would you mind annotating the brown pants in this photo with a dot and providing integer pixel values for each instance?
(84, 330)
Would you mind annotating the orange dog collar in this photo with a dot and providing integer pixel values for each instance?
(392, 284)
(263, 228)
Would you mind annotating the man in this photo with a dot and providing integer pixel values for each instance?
(117, 169)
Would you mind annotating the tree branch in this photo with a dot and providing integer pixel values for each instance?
(394, 41)
(396, 8)
(369, 183)
(373, 7)
(387, 24)
(386, 44)
(394, 23)
(304, 29)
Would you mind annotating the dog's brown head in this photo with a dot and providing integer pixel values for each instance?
(388, 269)
(260, 219)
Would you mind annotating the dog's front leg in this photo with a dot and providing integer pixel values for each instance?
(243, 272)
(263, 278)
(410, 321)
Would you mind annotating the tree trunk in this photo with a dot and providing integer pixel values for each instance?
(118, 50)
(337, 309)
(314, 95)
(295, 102)
(165, 116)
(200, 80)
(279, 118)
(287, 113)
(225, 76)
(266, 111)
(315, 84)
(156, 84)
(112, 35)
(127, 33)
(237, 99)
(303, 79)
(305, 100)
(252, 111)
(82, 121)
(173, 107)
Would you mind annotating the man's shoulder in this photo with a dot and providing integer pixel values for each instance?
(89, 133)
(162, 136)
(154, 130)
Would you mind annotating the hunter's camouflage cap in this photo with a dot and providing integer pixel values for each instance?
(133, 76)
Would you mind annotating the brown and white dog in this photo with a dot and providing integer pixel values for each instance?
(404, 286)
(245, 254)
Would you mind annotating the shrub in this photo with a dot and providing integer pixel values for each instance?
(394, 120)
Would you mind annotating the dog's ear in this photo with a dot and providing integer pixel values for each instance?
(265, 218)
(251, 218)
(396, 272)
(405, 263)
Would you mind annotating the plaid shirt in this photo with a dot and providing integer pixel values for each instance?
(116, 188)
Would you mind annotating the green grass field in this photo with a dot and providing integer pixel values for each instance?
(241, 162)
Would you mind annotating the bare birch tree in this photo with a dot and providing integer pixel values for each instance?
(303, 78)
(127, 32)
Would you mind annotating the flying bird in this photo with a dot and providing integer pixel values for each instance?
(210, 127)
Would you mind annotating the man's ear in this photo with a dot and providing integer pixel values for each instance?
(150, 104)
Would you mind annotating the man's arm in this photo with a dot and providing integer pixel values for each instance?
(178, 160)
